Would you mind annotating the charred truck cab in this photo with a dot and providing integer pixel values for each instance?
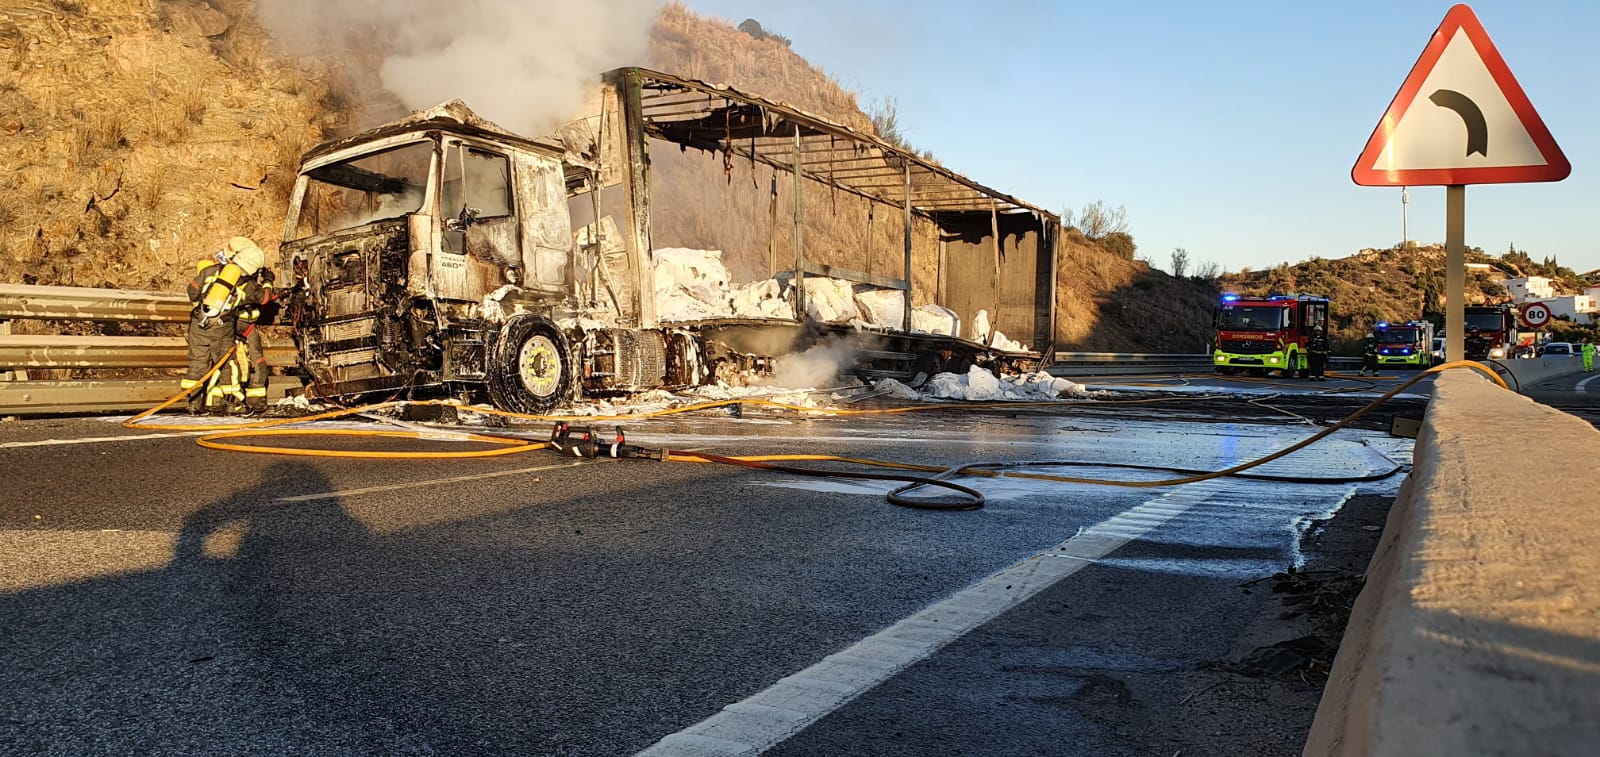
(402, 240)
(442, 255)
(1265, 334)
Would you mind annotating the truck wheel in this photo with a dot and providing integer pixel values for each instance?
(1292, 367)
(530, 370)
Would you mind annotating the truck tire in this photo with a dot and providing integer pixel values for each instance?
(530, 370)
(1293, 366)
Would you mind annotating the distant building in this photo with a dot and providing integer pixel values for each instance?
(1579, 308)
(1526, 288)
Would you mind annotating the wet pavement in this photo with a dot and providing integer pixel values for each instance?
(163, 598)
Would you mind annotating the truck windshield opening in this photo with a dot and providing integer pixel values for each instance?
(1398, 335)
(1486, 321)
(365, 189)
(1250, 317)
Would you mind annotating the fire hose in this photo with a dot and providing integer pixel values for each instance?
(587, 442)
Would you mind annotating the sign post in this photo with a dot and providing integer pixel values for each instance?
(1481, 129)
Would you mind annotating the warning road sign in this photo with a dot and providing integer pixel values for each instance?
(1474, 124)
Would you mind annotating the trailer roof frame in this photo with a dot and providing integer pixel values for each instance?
(719, 118)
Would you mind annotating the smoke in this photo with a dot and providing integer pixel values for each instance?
(817, 368)
(525, 65)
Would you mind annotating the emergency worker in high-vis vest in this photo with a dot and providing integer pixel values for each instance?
(221, 287)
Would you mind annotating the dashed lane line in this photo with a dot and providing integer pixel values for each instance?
(764, 720)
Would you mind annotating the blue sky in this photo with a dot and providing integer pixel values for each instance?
(1226, 128)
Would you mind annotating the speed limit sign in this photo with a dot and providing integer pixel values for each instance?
(1536, 314)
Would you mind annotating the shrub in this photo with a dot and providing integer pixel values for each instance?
(1119, 243)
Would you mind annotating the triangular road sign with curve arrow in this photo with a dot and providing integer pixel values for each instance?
(1474, 126)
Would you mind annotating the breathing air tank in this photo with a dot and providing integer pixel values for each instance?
(245, 259)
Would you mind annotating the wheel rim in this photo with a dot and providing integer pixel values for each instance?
(539, 365)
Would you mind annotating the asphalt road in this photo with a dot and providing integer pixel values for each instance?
(157, 597)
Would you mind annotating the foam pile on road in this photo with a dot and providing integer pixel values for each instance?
(979, 385)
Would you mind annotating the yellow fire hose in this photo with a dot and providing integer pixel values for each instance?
(515, 445)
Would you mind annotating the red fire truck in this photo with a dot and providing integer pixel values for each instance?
(1261, 334)
(1490, 330)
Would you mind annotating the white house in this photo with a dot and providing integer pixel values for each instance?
(1578, 308)
(1526, 288)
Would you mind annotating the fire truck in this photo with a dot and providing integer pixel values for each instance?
(1490, 330)
(1262, 334)
(1405, 344)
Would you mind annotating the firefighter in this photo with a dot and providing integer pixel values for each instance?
(264, 305)
(1588, 356)
(1369, 354)
(218, 290)
(1317, 346)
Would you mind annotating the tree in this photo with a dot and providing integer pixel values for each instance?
(1097, 221)
(885, 117)
(1209, 271)
(1180, 261)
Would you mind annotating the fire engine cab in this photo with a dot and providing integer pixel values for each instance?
(1408, 344)
(1262, 334)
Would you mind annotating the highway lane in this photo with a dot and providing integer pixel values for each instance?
(160, 597)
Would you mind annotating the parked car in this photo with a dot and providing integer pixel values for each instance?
(1438, 350)
(1551, 349)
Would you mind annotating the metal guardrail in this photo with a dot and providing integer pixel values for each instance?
(1086, 364)
(20, 353)
(84, 304)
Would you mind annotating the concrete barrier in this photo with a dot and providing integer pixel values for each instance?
(1530, 371)
(1478, 631)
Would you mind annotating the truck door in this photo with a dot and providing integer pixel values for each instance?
(479, 237)
(1314, 313)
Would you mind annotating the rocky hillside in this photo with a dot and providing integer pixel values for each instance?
(137, 135)
(1396, 284)
(140, 133)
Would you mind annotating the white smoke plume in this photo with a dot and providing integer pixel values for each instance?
(525, 64)
(817, 368)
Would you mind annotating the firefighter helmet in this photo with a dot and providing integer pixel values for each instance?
(245, 254)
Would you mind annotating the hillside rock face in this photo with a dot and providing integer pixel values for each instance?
(138, 135)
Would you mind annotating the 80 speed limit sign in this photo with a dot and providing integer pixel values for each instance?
(1536, 314)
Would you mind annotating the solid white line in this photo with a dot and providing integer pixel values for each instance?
(764, 720)
(430, 482)
(1585, 382)
(98, 439)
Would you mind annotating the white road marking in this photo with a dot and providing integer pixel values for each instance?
(1585, 382)
(430, 482)
(98, 439)
(789, 706)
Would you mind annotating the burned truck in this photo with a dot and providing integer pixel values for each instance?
(443, 255)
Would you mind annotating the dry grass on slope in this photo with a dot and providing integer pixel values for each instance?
(712, 50)
(139, 136)
(1106, 303)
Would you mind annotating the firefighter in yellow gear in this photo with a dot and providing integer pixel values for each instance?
(1587, 351)
(222, 286)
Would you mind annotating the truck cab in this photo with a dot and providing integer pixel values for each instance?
(1405, 344)
(397, 241)
(1263, 334)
